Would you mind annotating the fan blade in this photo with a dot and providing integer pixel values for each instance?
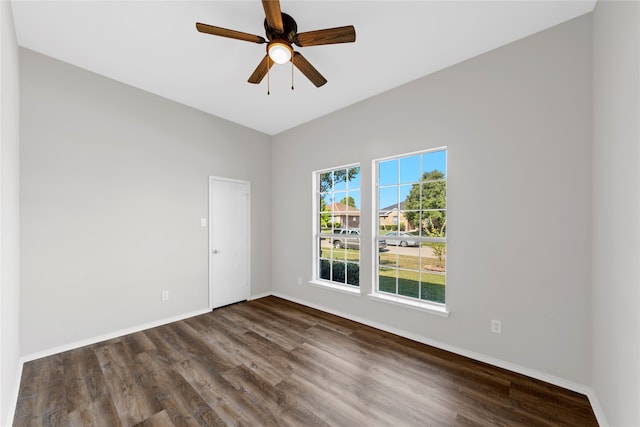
(232, 34)
(273, 14)
(308, 70)
(261, 70)
(329, 36)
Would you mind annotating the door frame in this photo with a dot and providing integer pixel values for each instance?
(212, 179)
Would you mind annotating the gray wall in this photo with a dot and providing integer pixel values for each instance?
(9, 213)
(616, 211)
(114, 183)
(517, 124)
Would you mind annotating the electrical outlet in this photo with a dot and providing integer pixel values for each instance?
(165, 295)
(496, 326)
(299, 280)
(203, 222)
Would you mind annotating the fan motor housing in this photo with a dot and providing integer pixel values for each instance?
(290, 29)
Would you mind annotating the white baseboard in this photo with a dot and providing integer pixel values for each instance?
(111, 335)
(597, 409)
(551, 379)
(579, 388)
(14, 394)
(85, 342)
(258, 296)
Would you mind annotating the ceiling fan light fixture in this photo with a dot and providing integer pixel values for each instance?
(281, 33)
(279, 52)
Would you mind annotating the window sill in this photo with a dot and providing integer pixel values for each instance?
(436, 309)
(347, 289)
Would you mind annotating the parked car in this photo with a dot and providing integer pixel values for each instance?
(351, 239)
(400, 238)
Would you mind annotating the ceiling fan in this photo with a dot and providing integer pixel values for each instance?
(282, 31)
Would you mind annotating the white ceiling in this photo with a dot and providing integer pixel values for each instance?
(154, 46)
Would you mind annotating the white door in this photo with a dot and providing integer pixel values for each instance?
(229, 262)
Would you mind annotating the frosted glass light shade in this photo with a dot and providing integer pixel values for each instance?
(280, 53)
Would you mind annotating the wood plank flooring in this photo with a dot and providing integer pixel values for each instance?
(271, 362)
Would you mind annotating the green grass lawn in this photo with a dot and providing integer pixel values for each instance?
(409, 262)
(351, 254)
(413, 280)
(433, 285)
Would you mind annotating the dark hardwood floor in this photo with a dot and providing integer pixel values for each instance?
(271, 362)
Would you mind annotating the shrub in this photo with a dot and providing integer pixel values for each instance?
(353, 272)
(439, 249)
(338, 272)
(394, 227)
(325, 269)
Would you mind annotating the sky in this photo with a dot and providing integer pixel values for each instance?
(396, 178)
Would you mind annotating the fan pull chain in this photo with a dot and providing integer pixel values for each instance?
(291, 72)
(268, 75)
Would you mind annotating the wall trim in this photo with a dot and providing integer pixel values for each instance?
(560, 382)
(597, 409)
(13, 404)
(551, 379)
(261, 295)
(111, 335)
(85, 342)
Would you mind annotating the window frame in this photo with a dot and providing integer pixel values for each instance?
(432, 307)
(317, 235)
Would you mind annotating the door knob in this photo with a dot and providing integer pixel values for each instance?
(216, 251)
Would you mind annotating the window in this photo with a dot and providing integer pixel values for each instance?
(412, 221)
(337, 227)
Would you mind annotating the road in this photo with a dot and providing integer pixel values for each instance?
(425, 251)
(409, 250)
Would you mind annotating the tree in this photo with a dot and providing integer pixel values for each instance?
(421, 207)
(327, 181)
(340, 175)
(439, 248)
(324, 217)
(349, 201)
(425, 206)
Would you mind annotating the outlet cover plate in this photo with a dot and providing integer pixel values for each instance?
(496, 326)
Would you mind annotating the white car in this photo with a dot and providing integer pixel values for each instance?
(351, 239)
(400, 238)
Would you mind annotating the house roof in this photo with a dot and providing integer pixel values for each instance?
(342, 208)
(390, 208)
